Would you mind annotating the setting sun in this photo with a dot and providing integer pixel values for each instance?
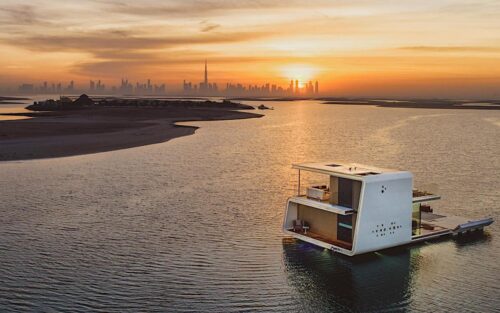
(301, 72)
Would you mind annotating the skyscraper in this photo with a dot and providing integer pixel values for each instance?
(206, 73)
(316, 88)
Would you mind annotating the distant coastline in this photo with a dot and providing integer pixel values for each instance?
(419, 104)
(269, 99)
(97, 126)
(11, 100)
(393, 103)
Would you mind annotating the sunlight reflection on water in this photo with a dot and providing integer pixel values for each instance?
(194, 224)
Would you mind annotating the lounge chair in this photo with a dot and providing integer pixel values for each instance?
(298, 225)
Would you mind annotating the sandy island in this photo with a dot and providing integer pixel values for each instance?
(95, 129)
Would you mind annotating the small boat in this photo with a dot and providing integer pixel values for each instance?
(360, 209)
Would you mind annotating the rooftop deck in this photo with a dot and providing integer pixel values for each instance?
(343, 169)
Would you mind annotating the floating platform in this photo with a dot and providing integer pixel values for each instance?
(436, 225)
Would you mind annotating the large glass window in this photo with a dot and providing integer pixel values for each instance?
(344, 228)
(345, 192)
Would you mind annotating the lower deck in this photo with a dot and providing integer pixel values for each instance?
(322, 227)
(435, 225)
(319, 237)
(317, 222)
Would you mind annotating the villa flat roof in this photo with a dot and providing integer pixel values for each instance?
(343, 169)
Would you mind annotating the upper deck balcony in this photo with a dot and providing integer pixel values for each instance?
(322, 204)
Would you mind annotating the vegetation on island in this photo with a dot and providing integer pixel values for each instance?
(85, 102)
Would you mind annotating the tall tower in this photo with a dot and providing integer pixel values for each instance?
(316, 88)
(206, 74)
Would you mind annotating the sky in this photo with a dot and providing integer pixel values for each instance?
(390, 48)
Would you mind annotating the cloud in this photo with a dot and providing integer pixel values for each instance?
(450, 48)
(114, 67)
(116, 52)
(195, 8)
(110, 41)
(19, 15)
(207, 26)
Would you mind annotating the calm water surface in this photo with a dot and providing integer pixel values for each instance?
(19, 106)
(194, 224)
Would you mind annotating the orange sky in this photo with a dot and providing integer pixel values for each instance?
(354, 48)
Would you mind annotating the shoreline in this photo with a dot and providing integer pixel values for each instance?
(88, 131)
(419, 104)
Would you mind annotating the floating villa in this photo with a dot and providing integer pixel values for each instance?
(361, 209)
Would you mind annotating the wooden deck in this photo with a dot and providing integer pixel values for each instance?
(433, 225)
(338, 243)
(441, 222)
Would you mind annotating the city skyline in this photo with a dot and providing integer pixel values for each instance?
(295, 88)
(207, 88)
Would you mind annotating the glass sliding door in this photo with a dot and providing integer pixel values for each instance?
(344, 228)
(345, 192)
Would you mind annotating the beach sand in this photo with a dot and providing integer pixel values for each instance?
(67, 133)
